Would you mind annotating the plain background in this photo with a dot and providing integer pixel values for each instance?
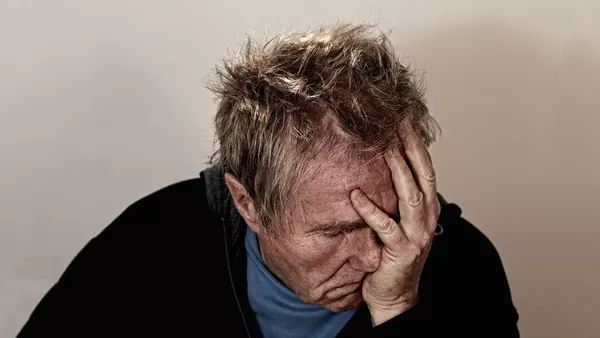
(102, 102)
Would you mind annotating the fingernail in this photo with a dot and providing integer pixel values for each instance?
(358, 196)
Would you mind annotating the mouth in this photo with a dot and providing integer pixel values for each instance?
(353, 285)
(343, 290)
(350, 299)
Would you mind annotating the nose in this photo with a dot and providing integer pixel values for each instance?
(367, 251)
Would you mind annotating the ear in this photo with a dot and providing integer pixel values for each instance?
(243, 202)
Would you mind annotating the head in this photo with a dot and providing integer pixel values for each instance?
(301, 121)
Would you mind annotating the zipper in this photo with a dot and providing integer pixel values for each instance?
(231, 278)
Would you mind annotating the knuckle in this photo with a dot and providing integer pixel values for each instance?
(371, 211)
(430, 178)
(430, 174)
(388, 226)
(394, 257)
(415, 199)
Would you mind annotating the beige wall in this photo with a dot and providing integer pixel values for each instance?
(101, 103)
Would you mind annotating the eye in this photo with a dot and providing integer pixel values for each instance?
(333, 233)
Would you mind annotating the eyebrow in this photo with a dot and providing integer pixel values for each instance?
(345, 226)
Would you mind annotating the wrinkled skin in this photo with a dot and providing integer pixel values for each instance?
(327, 267)
(363, 253)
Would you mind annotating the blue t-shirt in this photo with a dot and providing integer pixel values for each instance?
(279, 311)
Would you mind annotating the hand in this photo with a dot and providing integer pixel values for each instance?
(393, 288)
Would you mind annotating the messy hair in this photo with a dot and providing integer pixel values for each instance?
(336, 92)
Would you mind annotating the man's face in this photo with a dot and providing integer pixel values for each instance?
(329, 248)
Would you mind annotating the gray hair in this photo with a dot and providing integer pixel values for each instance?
(335, 92)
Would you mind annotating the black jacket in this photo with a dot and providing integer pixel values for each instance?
(173, 265)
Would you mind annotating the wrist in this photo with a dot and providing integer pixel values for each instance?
(381, 314)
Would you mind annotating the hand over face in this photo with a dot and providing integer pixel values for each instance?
(393, 288)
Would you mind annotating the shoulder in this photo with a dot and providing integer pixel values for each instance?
(169, 209)
(184, 196)
(164, 226)
(163, 231)
(143, 267)
(466, 260)
(460, 237)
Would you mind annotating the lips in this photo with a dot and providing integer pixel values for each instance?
(351, 285)
(354, 284)
(343, 290)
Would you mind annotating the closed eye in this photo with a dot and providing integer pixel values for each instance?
(333, 234)
(334, 229)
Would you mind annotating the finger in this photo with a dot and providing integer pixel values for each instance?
(410, 198)
(419, 161)
(388, 231)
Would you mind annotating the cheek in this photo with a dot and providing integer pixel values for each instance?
(315, 259)
(320, 253)
(317, 263)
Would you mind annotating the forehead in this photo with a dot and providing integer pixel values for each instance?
(325, 195)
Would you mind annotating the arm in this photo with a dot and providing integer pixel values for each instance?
(142, 273)
(81, 303)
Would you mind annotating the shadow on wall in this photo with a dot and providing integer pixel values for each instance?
(520, 121)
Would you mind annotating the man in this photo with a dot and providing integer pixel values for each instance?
(319, 218)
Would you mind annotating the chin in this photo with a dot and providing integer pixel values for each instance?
(345, 303)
